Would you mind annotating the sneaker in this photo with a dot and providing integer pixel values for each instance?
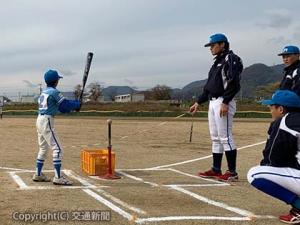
(209, 174)
(61, 181)
(292, 218)
(228, 176)
(41, 178)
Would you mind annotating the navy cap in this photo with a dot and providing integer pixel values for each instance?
(290, 49)
(284, 98)
(51, 76)
(215, 39)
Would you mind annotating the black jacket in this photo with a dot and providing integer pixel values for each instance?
(282, 148)
(291, 78)
(223, 78)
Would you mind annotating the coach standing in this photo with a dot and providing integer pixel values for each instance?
(291, 79)
(222, 85)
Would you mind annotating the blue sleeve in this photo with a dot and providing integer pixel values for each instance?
(57, 96)
(67, 106)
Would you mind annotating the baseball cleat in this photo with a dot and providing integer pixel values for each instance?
(41, 178)
(292, 218)
(209, 174)
(229, 176)
(62, 181)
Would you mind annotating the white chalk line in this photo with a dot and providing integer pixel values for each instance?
(120, 202)
(18, 180)
(157, 219)
(13, 169)
(138, 179)
(179, 188)
(109, 196)
(86, 187)
(108, 204)
(239, 211)
(201, 158)
(196, 185)
(181, 218)
(197, 177)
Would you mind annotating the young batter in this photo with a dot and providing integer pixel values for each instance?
(278, 174)
(50, 102)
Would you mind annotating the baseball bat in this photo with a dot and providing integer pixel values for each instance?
(86, 74)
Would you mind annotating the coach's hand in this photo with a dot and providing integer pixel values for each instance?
(224, 110)
(193, 108)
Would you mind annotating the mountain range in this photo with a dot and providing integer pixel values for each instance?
(252, 77)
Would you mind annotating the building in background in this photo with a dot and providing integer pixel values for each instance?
(137, 97)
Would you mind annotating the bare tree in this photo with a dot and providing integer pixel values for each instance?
(161, 92)
(94, 91)
(77, 91)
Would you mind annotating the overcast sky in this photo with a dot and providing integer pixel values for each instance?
(137, 43)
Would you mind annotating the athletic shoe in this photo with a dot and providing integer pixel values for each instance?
(228, 176)
(62, 181)
(292, 218)
(41, 178)
(209, 174)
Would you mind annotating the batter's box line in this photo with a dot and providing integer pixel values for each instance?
(246, 215)
(23, 186)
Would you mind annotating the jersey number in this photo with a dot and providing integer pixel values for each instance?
(43, 102)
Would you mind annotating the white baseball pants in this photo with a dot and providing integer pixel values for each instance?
(220, 128)
(47, 138)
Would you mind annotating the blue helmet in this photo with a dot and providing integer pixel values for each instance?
(290, 49)
(216, 38)
(284, 98)
(51, 76)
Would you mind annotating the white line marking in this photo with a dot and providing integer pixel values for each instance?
(109, 196)
(196, 185)
(241, 212)
(201, 158)
(14, 169)
(197, 177)
(177, 117)
(18, 180)
(108, 204)
(83, 181)
(120, 202)
(56, 187)
(179, 218)
(138, 179)
(161, 124)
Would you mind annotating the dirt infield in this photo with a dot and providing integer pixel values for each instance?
(157, 164)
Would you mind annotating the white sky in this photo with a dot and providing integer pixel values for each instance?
(137, 43)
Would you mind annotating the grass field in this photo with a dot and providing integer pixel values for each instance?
(158, 167)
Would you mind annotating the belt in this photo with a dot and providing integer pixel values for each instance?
(213, 98)
(43, 114)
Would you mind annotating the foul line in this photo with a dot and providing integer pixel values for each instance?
(201, 158)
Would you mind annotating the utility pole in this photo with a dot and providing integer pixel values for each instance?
(40, 85)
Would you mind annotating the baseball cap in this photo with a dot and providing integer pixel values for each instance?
(215, 38)
(284, 98)
(290, 49)
(51, 76)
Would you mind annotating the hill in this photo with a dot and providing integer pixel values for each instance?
(252, 77)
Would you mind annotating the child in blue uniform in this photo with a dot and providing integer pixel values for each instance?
(51, 101)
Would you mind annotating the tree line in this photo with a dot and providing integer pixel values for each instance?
(95, 91)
